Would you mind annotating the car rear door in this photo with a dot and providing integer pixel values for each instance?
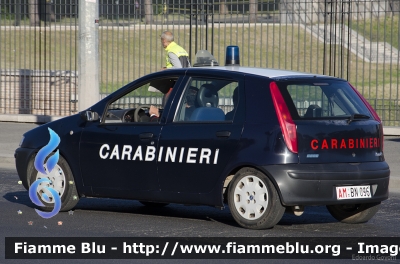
(195, 152)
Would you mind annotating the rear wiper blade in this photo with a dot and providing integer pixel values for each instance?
(357, 117)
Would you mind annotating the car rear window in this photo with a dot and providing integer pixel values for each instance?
(324, 99)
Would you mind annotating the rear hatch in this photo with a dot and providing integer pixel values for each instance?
(334, 123)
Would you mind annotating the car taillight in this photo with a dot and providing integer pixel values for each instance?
(373, 112)
(285, 119)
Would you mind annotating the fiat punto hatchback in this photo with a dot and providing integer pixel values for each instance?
(260, 141)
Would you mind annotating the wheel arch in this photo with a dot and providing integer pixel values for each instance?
(229, 176)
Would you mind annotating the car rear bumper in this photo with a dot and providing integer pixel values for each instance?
(315, 184)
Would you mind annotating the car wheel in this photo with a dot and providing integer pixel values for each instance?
(153, 204)
(61, 180)
(253, 200)
(353, 213)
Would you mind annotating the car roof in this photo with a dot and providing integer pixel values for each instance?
(266, 72)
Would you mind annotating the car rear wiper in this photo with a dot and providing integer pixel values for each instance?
(357, 117)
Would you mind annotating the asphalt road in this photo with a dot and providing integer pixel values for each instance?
(94, 217)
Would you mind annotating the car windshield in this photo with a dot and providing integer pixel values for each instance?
(324, 99)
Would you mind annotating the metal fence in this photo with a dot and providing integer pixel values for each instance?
(355, 39)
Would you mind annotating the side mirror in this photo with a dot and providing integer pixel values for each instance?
(89, 116)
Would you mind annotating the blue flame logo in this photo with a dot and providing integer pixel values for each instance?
(41, 185)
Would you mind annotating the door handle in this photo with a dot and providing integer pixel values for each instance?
(145, 135)
(223, 134)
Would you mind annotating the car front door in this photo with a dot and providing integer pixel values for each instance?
(200, 137)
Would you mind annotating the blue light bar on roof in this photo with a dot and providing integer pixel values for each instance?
(232, 56)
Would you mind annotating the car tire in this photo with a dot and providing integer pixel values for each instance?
(353, 213)
(253, 200)
(62, 181)
(153, 204)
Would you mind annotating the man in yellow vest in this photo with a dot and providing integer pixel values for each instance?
(176, 56)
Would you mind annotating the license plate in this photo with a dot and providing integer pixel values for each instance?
(353, 192)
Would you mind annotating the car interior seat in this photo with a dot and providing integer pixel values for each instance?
(207, 99)
(235, 100)
(208, 114)
(191, 102)
(313, 111)
(207, 96)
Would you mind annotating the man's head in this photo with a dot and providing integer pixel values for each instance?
(166, 38)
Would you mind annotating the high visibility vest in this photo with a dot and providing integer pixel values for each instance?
(178, 51)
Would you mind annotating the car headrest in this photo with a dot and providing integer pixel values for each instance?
(313, 111)
(207, 96)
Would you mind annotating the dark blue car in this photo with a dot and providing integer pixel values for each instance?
(257, 140)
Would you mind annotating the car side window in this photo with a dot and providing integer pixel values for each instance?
(208, 100)
(134, 106)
